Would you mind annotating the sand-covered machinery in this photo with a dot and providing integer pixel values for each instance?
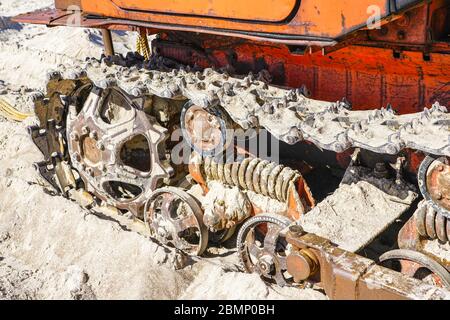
(314, 133)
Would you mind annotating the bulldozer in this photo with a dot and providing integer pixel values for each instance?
(315, 134)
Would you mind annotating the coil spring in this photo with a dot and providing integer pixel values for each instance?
(254, 174)
(432, 224)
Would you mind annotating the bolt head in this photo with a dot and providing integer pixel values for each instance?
(252, 121)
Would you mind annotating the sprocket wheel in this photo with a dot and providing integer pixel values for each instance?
(175, 218)
(117, 148)
(262, 249)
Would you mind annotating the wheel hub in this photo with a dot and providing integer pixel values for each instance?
(206, 130)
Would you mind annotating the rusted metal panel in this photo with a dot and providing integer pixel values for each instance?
(367, 77)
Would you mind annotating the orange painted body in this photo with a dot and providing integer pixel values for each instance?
(239, 10)
(326, 46)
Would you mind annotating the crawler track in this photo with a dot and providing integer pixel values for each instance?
(286, 114)
(251, 103)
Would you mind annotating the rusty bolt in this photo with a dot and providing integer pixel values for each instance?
(440, 168)
(93, 135)
(85, 130)
(439, 195)
(100, 146)
(74, 136)
(302, 264)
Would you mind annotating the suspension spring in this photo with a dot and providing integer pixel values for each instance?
(431, 224)
(254, 174)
